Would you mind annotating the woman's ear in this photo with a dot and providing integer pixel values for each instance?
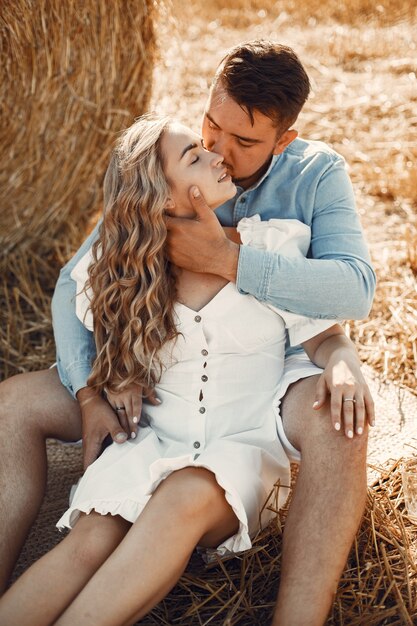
(284, 140)
(169, 204)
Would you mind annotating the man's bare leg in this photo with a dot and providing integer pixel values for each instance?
(33, 406)
(327, 506)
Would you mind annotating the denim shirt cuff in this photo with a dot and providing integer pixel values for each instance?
(254, 272)
(75, 376)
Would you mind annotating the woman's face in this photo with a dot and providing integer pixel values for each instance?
(188, 163)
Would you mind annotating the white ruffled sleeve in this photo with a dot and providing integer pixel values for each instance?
(82, 298)
(290, 238)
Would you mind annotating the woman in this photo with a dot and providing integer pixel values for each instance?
(205, 460)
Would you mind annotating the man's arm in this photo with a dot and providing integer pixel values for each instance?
(338, 282)
(75, 346)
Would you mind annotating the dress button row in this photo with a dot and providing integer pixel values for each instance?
(197, 318)
(204, 378)
(202, 409)
(196, 444)
(204, 352)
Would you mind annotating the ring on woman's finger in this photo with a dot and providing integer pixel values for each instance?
(349, 400)
(119, 408)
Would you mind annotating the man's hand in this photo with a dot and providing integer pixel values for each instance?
(200, 244)
(100, 420)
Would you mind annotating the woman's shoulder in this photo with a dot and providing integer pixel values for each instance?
(275, 235)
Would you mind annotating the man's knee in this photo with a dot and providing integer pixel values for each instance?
(308, 428)
(37, 403)
(14, 403)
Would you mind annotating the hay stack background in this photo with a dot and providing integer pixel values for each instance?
(72, 74)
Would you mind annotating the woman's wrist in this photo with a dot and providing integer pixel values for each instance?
(336, 348)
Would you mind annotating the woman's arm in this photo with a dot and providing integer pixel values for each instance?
(350, 399)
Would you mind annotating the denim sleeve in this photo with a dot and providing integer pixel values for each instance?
(337, 281)
(75, 346)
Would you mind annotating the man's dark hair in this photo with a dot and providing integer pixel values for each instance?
(267, 77)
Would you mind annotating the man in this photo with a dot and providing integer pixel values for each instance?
(257, 94)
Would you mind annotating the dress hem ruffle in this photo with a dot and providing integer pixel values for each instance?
(131, 509)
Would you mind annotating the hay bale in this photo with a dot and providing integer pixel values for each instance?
(73, 74)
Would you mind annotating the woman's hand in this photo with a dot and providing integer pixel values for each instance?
(100, 420)
(351, 404)
(128, 406)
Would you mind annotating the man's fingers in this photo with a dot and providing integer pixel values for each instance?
(91, 450)
(199, 204)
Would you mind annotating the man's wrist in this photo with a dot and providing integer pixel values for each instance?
(228, 262)
(85, 395)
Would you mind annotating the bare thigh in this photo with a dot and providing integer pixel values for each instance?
(37, 403)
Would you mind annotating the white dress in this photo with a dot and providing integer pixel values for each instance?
(220, 395)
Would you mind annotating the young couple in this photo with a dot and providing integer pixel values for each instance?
(192, 312)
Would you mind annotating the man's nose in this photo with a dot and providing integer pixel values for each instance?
(219, 144)
(216, 159)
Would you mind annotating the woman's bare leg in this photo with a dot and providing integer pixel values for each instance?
(187, 509)
(32, 407)
(43, 592)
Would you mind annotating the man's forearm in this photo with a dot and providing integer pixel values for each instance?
(75, 344)
(317, 288)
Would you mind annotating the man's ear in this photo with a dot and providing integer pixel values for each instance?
(285, 140)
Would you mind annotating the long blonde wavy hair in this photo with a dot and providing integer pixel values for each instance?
(133, 288)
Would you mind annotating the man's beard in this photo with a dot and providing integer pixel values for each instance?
(256, 175)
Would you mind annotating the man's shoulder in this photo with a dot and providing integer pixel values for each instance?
(310, 149)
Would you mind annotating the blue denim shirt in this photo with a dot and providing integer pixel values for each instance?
(308, 182)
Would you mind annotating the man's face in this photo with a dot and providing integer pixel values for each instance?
(246, 148)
